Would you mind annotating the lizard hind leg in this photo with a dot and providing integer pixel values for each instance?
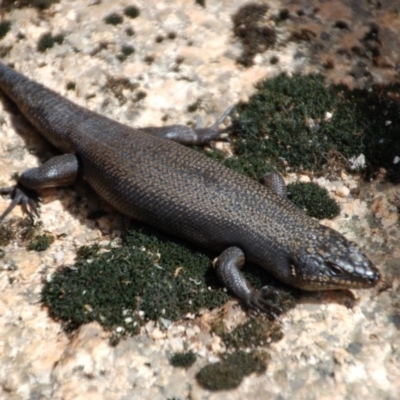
(21, 196)
(275, 182)
(58, 171)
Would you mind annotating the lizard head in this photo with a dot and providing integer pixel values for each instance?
(329, 261)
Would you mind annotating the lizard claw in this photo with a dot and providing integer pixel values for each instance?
(265, 300)
(25, 197)
(206, 135)
(221, 119)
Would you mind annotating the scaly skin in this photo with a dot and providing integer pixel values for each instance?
(185, 193)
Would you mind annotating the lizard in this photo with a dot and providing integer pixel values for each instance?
(150, 175)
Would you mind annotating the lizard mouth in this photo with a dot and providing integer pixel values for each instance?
(332, 276)
(327, 282)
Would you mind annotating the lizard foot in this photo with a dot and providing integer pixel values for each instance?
(206, 135)
(25, 197)
(265, 300)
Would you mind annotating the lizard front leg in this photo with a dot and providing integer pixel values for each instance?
(188, 136)
(228, 267)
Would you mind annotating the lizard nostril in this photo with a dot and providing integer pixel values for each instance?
(373, 276)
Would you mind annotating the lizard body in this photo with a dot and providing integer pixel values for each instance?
(145, 174)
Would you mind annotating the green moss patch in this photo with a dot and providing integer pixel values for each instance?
(20, 230)
(284, 123)
(39, 4)
(314, 200)
(129, 31)
(7, 234)
(132, 11)
(147, 273)
(70, 85)
(47, 41)
(230, 371)
(113, 19)
(183, 360)
(5, 27)
(125, 52)
(377, 112)
(253, 333)
(41, 242)
(300, 123)
(117, 87)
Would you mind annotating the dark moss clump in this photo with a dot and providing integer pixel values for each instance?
(284, 125)
(230, 371)
(132, 11)
(193, 107)
(284, 14)
(87, 252)
(274, 60)
(117, 86)
(39, 4)
(169, 278)
(6, 234)
(129, 31)
(219, 376)
(140, 95)
(183, 360)
(299, 123)
(21, 230)
(172, 35)
(149, 59)
(253, 333)
(126, 51)
(284, 122)
(47, 41)
(71, 85)
(5, 27)
(113, 19)
(314, 200)
(41, 242)
(250, 28)
(377, 112)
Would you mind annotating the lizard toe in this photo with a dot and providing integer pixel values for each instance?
(21, 196)
(260, 300)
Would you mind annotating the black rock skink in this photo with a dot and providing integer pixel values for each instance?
(145, 174)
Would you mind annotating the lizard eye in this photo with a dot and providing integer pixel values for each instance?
(335, 269)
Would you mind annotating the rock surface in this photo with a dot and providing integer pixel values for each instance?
(334, 346)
